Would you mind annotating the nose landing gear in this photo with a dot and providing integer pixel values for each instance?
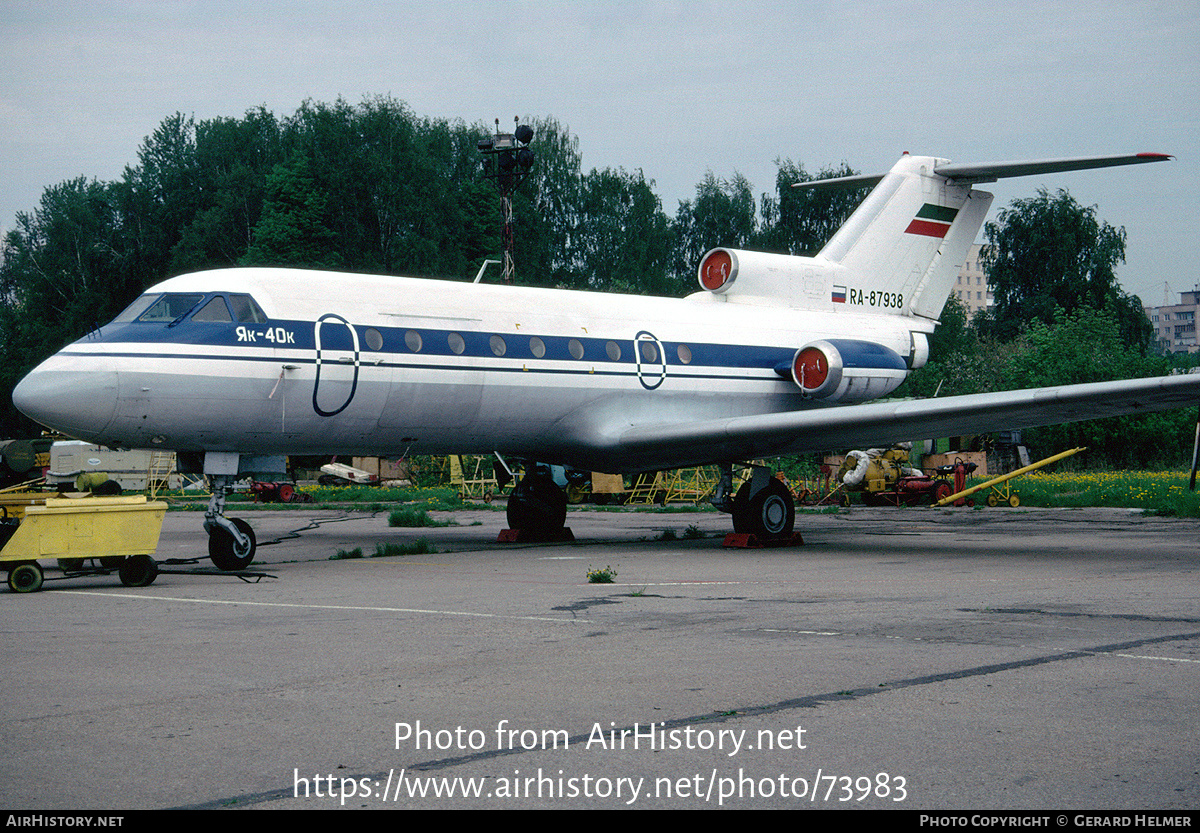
(231, 541)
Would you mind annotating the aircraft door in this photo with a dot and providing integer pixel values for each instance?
(337, 364)
(651, 360)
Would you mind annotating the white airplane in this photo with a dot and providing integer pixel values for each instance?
(235, 368)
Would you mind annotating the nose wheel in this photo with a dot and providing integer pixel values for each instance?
(226, 552)
(231, 542)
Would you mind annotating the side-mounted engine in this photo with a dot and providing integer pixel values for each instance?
(845, 370)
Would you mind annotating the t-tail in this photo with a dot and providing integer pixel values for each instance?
(901, 250)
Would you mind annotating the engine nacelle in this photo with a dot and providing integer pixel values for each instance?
(761, 273)
(846, 370)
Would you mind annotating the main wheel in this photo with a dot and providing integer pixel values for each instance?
(25, 578)
(537, 505)
(771, 513)
(138, 571)
(223, 550)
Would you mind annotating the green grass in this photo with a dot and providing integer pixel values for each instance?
(417, 547)
(1156, 492)
(411, 517)
(603, 575)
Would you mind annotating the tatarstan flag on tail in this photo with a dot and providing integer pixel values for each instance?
(932, 220)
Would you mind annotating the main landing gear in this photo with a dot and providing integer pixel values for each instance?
(537, 507)
(763, 506)
(231, 542)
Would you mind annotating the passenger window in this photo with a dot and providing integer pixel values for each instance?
(246, 311)
(170, 307)
(537, 347)
(214, 310)
(576, 348)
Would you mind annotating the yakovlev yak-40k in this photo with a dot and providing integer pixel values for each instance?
(235, 368)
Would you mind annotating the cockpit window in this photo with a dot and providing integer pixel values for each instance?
(214, 310)
(245, 311)
(170, 306)
(158, 307)
(136, 308)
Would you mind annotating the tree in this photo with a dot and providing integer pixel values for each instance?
(546, 208)
(65, 270)
(233, 159)
(292, 230)
(800, 221)
(722, 214)
(623, 240)
(1088, 346)
(1049, 253)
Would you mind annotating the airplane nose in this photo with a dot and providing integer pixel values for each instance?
(79, 403)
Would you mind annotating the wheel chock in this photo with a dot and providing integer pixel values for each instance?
(750, 541)
(533, 536)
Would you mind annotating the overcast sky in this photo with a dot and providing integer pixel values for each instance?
(673, 88)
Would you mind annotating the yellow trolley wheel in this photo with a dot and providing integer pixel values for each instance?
(992, 500)
(25, 578)
(138, 571)
(1014, 501)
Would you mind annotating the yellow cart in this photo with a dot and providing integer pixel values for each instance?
(118, 532)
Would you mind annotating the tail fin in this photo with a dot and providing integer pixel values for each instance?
(901, 250)
(907, 241)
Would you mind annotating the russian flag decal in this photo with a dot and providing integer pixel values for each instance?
(839, 295)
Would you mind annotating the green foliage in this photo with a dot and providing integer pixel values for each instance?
(1160, 493)
(800, 221)
(418, 547)
(413, 518)
(602, 575)
(623, 239)
(722, 214)
(292, 230)
(1048, 253)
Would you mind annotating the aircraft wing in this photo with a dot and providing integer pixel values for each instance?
(882, 423)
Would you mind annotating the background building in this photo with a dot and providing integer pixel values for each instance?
(972, 287)
(1175, 325)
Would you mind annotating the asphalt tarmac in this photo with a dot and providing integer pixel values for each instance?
(918, 659)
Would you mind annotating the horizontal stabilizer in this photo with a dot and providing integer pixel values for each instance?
(991, 171)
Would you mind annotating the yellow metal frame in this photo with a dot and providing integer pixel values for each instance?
(479, 485)
(86, 527)
(1005, 495)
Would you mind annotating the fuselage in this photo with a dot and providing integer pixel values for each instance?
(333, 363)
